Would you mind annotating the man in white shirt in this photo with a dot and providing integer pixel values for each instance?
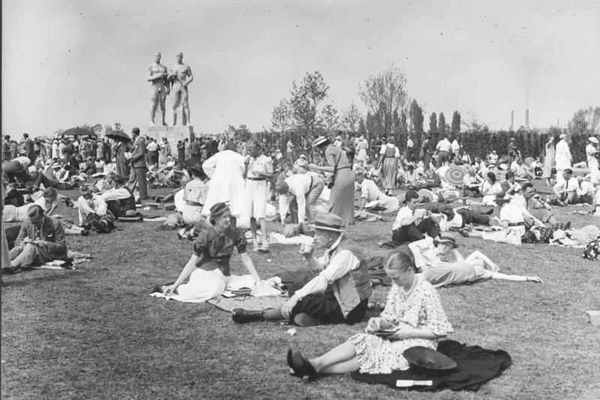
(339, 293)
(444, 148)
(299, 192)
(566, 189)
(93, 212)
(411, 223)
(371, 196)
(259, 169)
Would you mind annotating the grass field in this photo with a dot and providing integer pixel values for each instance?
(97, 334)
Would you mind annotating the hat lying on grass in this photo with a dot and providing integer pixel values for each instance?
(328, 222)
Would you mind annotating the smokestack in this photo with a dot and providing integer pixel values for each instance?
(527, 118)
(512, 120)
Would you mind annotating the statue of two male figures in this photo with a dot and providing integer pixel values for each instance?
(166, 81)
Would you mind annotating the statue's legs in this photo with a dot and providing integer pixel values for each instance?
(155, 99)
(185, 114)
(163, 108)
(176, 104)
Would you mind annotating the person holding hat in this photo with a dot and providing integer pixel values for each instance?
(339, 293)
(443, 265)
(413, 316)
(207, 272)
(40, 239)
(591, 153)
(563, 157)
(341, 199)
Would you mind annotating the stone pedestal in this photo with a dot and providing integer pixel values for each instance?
(172, 133)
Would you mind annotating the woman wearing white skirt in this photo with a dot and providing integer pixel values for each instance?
(208, 267)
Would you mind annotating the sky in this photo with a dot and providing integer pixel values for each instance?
(71, 62)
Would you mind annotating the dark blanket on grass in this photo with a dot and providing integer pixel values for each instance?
(475, 367)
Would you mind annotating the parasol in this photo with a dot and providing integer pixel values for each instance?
(79, 131)
(455, 175)
(118, 135)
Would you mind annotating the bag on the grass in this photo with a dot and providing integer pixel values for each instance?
(592, 250)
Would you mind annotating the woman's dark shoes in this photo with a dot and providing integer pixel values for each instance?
(242, 316)
(300, 366)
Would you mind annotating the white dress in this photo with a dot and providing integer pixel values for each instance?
(226, 172)
(420, 307)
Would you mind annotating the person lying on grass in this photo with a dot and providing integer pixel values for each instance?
(339, 293)
(443, 265)
(413, 316)
(41, 239)
(207, 270)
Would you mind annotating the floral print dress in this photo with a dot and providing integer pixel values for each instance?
(420, 307)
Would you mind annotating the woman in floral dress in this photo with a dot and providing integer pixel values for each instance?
(413, 316)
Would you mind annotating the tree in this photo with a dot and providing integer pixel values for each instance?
(384, 93)
(442, 124)
(362, 129)
(585, 121)
(351, 119)
(455, 123)
(433, 124)
(329, 118)
(305, 100)
(281, 119)
(416, 123)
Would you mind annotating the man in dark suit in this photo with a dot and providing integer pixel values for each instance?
(28, 147)
(138, 162)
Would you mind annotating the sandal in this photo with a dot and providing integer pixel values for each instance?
(300, 366)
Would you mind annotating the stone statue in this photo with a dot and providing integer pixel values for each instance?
(158, 78)
(180, 77)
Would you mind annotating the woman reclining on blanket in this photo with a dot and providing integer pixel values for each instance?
(207, 270)
(443, 265)
(413, 316)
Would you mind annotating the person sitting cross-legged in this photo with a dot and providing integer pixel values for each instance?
(338, 294)
(41, 239)
(413, 316)
(93, 211)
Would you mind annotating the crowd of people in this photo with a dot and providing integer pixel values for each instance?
(228, 194)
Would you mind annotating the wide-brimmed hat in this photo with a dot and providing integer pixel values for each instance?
(428, 359)
(301, 163)
(593, 140)
(328, 222)
(320, 141)
(562, 135)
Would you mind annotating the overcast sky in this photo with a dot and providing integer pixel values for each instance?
(68, 62)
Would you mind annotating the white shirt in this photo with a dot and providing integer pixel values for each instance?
(152, 146)
(563, 155)
(455, 146)
(259, 166)
(444, 145)
(370, 191)
(385, 147)
(299, 185)
(340, 264)
(404, 217)
(572, 185)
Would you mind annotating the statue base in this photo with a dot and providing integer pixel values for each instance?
(172, 133)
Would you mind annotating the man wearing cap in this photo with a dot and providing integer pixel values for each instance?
(371, 196)
(338, 294)
(181, 76)
(41, 239)
(138, 163)
(591, 152)
(300, 191)
(563, 157)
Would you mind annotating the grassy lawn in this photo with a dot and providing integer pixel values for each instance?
(96, 333)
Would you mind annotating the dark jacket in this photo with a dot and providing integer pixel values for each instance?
(51, 232)
(138, 156)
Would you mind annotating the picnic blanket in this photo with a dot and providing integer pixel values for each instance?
(248, 302)
(475, 367)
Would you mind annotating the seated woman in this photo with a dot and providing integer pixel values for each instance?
(443, 265)
(490, 188)
(413, 316)
(119, 198)
(41, 239)
(190, 200)
(207, 270)
(411, 224)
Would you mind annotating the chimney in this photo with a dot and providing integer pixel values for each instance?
(527, 118)
(512, 120)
